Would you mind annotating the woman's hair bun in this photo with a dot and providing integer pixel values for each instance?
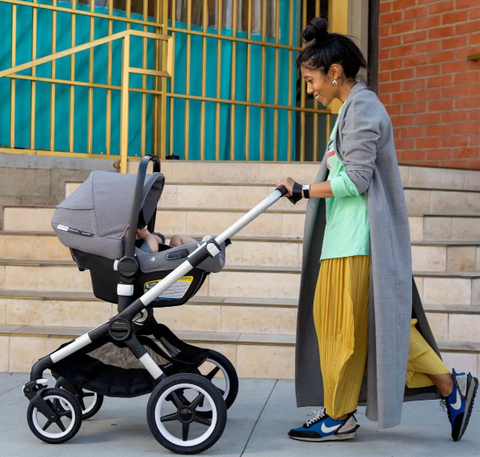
(317, 29)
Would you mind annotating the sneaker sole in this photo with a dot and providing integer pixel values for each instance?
(470, 399)
(339, 437)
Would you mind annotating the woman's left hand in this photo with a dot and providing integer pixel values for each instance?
(286, 182)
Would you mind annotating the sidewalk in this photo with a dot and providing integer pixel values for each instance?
(257, 425)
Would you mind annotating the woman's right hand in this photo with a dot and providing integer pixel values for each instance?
(288, 183)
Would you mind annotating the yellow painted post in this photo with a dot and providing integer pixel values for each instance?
(124, 105)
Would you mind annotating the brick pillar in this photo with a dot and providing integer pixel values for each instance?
(430, 88)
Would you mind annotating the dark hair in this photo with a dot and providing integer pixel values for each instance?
(324, 49)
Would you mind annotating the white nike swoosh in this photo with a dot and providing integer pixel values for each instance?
(458, 402)
(326, 429)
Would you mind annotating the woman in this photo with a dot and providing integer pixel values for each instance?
(362, 300)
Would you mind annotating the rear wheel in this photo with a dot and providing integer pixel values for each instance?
(173, 416)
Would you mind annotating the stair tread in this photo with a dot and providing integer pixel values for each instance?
(205, 300)
(471, 274)
(273, 239)
(245, 338)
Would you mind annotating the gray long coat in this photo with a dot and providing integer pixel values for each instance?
(365, 145)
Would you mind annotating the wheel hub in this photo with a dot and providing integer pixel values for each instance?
(186, 415)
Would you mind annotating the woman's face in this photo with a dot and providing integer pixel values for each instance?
(319, 85)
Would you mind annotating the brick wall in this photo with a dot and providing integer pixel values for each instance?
(430, 88)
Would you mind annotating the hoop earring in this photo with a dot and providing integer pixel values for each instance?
(334, 82)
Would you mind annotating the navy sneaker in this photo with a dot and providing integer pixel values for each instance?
(321, 427)
(459, 403)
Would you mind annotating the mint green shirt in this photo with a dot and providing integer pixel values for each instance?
(347, 232)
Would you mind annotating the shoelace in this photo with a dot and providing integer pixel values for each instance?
(315, 416)
(443, 404)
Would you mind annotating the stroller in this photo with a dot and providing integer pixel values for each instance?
(132, 354)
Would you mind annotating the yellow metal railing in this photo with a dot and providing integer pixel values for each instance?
(125, 36)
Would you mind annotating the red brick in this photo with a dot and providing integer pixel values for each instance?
(403, 4)
(474, 39)
(467, 103)
(429, 94)
(455, 42)
(474, 164)
(384, 30)
(385, 7)
(465, 129)
(389, 42)
(415, 61)
(427, 22)
(414, 155)
(428, 46)
(474, 115)
(464, 78)
(414, 84)
(465, 153)
(387, 99)
(440, 57)
(441, 7)
(439, 130)
(439, 154)
(402, 121)
(390, 87)
(456, 91)
(403, 27)
(416, 13)
(401, 51)
(474, 89)
(455, 141)
(425, 143)
(441, 32)
(475, 13)
(410, 108)
(384, 54)
(460, 4)
(391, 18)
(440, 105)
(415, 37)
(454, 17)
(467, 27)
(428, 118)
(439, 81)
(455, 67)
(411, 132)
(455, 116)
(397, 134)
(474, 140)
(403, 97)
(401, 75)
(394, 110)
(405, 144)
(384, 77)
(391, 64)
(428, 70)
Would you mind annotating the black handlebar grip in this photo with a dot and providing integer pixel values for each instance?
(283, 190)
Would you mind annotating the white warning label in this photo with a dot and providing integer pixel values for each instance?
(175, 291)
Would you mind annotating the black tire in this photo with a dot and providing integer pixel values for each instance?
(67, 408)
(227, 383)
(90, 402)
(175, 394)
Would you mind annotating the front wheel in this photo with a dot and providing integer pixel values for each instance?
(173, 416)
(90, 402)
(61, 423)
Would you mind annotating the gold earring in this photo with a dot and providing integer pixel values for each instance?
(334, 82)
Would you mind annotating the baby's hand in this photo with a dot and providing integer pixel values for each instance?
(143, 233)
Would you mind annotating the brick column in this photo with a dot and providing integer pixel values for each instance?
(430, 88)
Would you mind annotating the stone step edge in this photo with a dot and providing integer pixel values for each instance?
(272, 185)
(268, 239)
(207, 337)
(472, 274)
(215, 301)
(246, 209)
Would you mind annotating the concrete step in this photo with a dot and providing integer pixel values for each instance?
(207, 314)
(451, 288)
(246, 196)
(269, 173)
(270, 224)
(254, 356)
(261, 251)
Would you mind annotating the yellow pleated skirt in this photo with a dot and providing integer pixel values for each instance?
(340, 313)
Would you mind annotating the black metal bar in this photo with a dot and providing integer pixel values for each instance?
(373, 45)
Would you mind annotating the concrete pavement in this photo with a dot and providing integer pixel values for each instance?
(257, 424)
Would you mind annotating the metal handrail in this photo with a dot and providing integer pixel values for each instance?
(126, 71)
